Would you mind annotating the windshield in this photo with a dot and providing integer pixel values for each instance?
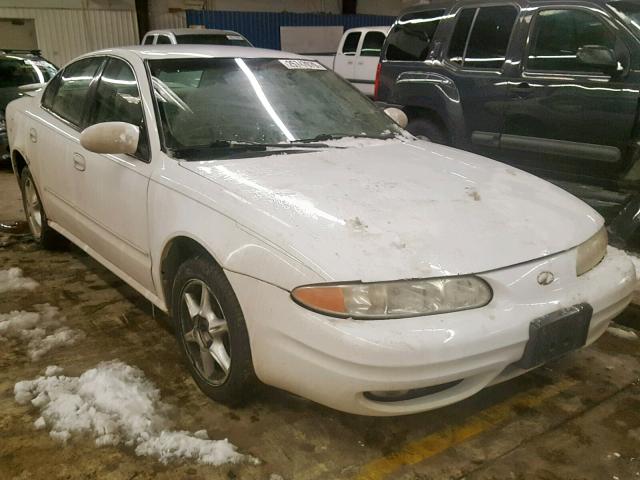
(16, 71)
(214, 39)
(206, 102)
(629, 11)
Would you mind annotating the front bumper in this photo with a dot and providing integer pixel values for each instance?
(334, 361)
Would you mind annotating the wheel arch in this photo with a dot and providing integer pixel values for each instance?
(18, 162)
(175, 251)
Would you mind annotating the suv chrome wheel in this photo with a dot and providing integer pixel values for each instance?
(206, 333)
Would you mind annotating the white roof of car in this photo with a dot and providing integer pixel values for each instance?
(148, 52)
(192, 31)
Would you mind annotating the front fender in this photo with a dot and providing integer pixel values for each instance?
(433, 92)
(174, 213)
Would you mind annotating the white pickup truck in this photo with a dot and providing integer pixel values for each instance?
(357, 57)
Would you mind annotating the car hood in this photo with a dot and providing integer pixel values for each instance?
(397, 210)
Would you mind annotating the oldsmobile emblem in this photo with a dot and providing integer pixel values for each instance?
(545, 278)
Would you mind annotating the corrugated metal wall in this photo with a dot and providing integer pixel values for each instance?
(66, 33)
(167, 20)
(263, 28)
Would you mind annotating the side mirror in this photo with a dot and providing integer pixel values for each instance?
(598, 56)
(397, 116)
(111, 138)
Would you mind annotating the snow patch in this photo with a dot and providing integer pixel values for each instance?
(53, 370)
(621, 333)
(117, 405)
(13, 279)
(40, 329)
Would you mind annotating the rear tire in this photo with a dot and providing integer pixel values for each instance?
(211, 332)
(430, 129)
(36, 217)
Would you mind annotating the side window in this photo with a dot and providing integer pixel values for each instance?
(117, 99)
(350, 45)
(372, 44)
(460, 34)
(51, 90)
(148, 40)
(485, 46)
(163, 40)
(411, 36)
(70, 98)
(557, 36)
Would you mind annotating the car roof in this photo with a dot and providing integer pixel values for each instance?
(148, 52)
(192, 31)
(437, 4)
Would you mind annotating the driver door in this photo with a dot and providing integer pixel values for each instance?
(564, 116)
(112, 189)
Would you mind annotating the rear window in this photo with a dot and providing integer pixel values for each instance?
(410, 37)
(16, 71)
(217, 39)
(481, 37)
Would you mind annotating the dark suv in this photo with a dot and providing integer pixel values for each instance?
(549, 86)
(20, 71)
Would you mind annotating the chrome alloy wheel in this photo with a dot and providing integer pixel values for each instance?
(205, 332)
(33, 208)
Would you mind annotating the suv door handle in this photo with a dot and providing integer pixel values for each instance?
(33, 135)
(523, 88)
(79, 162)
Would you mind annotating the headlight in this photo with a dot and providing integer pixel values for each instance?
(591, 252)
(405, 298)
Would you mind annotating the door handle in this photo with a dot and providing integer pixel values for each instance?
(349, 62)
(523, 88)
(360, 62)
(33, 135)
(79, 162)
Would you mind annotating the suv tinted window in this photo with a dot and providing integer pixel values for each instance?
(487, 43)
(16, 71)
(557, 36)
(460, 34)
(372, 44)
(163, 40)
(411, 36)
(70, 98)
(148, 40)
(350, 45)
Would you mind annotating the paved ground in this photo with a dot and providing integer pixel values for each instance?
(578, 418)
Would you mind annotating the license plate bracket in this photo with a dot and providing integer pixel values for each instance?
(556, 334)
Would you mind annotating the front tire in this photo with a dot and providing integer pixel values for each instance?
(37, 220)
(430, 129)
(211, 332)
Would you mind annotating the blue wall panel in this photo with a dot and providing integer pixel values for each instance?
(263, 28)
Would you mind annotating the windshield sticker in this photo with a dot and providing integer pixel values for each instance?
(302, 65)
(234, 37)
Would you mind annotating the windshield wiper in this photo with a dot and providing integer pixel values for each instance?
(220, 146)
(337, 136)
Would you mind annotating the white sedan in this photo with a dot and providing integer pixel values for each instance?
(296, 235)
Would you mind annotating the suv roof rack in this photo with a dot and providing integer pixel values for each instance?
(20, 50)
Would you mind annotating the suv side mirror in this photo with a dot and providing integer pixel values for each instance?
(598, 56)
(111, 138)
(397, 116)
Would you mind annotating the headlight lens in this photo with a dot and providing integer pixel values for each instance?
(406, 298)
(591, 252)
